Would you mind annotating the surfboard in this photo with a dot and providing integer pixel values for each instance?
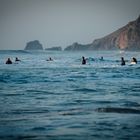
(133, 63)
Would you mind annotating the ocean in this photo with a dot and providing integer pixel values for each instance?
(64, 100)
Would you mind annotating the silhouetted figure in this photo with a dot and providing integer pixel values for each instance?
(83, 60)
(134, 60)
(101, 58)
(8, 61)
(50, 59)
(17, 59)
(122, 61)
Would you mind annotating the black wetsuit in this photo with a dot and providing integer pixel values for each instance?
(123, 62)
(8, 62)
(83, 61)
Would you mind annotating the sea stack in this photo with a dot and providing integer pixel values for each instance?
(34, 45)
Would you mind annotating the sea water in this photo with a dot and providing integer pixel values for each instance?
(64, 100)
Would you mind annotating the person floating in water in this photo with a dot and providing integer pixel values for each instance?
(101, 58)
(83, 60)
(122, 61)
(8, 61)
(50, 59)
(134, 60)
(17, 59)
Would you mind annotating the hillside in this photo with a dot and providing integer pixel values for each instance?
(125, 38)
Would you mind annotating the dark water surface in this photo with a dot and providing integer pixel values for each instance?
(64, 100)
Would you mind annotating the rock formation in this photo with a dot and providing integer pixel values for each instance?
(77, 47)
(34, 45)
(125, 38)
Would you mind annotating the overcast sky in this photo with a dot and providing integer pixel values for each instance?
(62, 22)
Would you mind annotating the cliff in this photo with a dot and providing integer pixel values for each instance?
(54, 49)
(34, 45)
(125, 38)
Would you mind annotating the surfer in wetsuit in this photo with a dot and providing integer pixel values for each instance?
(122, 61)
(134, 60)
(83, 60)
(17, 59)
(101, 59)
(50, 59)
(8, 61)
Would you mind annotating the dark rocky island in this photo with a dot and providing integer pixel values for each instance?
(34, 45)
(125, 38)
(54, 49)
(77, 47)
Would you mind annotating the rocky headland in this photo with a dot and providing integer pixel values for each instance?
(125, 38)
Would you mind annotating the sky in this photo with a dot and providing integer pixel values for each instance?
(61, 22)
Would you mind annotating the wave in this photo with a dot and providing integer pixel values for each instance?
(13, 51)
(13, 137)
(117, 110)
(29, 111)
(85, 90)
(38, 128)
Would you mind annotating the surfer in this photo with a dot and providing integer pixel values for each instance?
(83, 60)
(17, 59)
(8, 61)
(122, 61)
(134, 60)
(50, 59)
(101, 59)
